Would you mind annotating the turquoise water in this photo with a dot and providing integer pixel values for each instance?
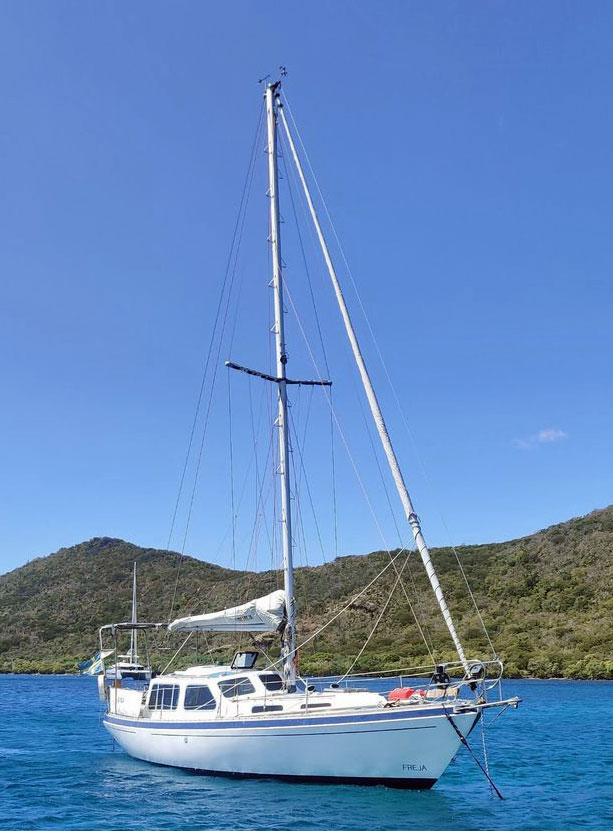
(552, 760)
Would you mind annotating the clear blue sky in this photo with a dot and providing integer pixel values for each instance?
(465, 152)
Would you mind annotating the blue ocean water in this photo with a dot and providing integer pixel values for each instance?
(552, 760)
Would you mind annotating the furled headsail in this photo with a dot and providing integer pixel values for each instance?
(264, 614)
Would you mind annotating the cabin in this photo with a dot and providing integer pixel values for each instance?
(206, 692)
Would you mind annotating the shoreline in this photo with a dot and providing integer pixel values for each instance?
(504, 678)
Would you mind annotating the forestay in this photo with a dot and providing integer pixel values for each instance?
(264, 614)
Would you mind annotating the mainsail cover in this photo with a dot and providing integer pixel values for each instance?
(265, 614)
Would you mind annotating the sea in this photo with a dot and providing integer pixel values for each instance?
(552, 760)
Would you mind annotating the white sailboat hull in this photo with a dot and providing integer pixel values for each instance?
(218, 720)
(394, 748)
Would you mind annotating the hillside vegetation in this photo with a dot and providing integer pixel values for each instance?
(547, 601)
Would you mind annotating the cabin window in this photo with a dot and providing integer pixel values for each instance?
(236, 686)
(272, 681)
(267, 708)
(199, 698)
(314, 706)
(164, 697)
(244, 660)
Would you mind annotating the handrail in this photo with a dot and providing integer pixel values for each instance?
(412, 671)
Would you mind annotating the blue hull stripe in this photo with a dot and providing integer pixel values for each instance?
(319, 733)
(315, 721)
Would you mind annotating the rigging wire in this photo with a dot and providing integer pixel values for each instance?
(300, 543)
(260, 501)
(275, 547)
(333, 465)
(354, 464)
(384, 365)
(308, 489)
(326, 390)
(253, 461)
(345, 607)
(416, 593)
(240, 497)
(333, 418)
(311, 392)
(288, 178)
(176, 653)
(299, 539)
(378, 621)
(228, 278)
(232, 507)
(486, 762)
(472, 753)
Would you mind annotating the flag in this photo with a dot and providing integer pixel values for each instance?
(96, 664)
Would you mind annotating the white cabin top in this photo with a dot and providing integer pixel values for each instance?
(204, 692)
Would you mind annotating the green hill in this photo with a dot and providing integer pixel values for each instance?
(547, 600)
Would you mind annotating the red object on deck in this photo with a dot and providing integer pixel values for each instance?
(400, 694)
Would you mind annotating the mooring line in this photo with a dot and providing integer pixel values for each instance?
(468, 747)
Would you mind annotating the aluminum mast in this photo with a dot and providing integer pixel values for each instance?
(288, 648)
(375, 409)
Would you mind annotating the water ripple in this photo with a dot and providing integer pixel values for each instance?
(59, 770)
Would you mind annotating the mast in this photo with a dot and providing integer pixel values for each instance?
(288, 647)
(375, 408)
(134, 634)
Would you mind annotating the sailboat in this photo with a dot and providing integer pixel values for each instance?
(129, 665)
(241, 720)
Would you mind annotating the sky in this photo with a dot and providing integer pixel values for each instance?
(464, 152)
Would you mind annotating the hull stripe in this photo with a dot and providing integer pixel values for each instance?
(292, 735)
(223, 724)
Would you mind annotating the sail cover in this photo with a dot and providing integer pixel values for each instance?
(265, 614)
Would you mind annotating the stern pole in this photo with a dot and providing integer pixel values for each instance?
(134, 633)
